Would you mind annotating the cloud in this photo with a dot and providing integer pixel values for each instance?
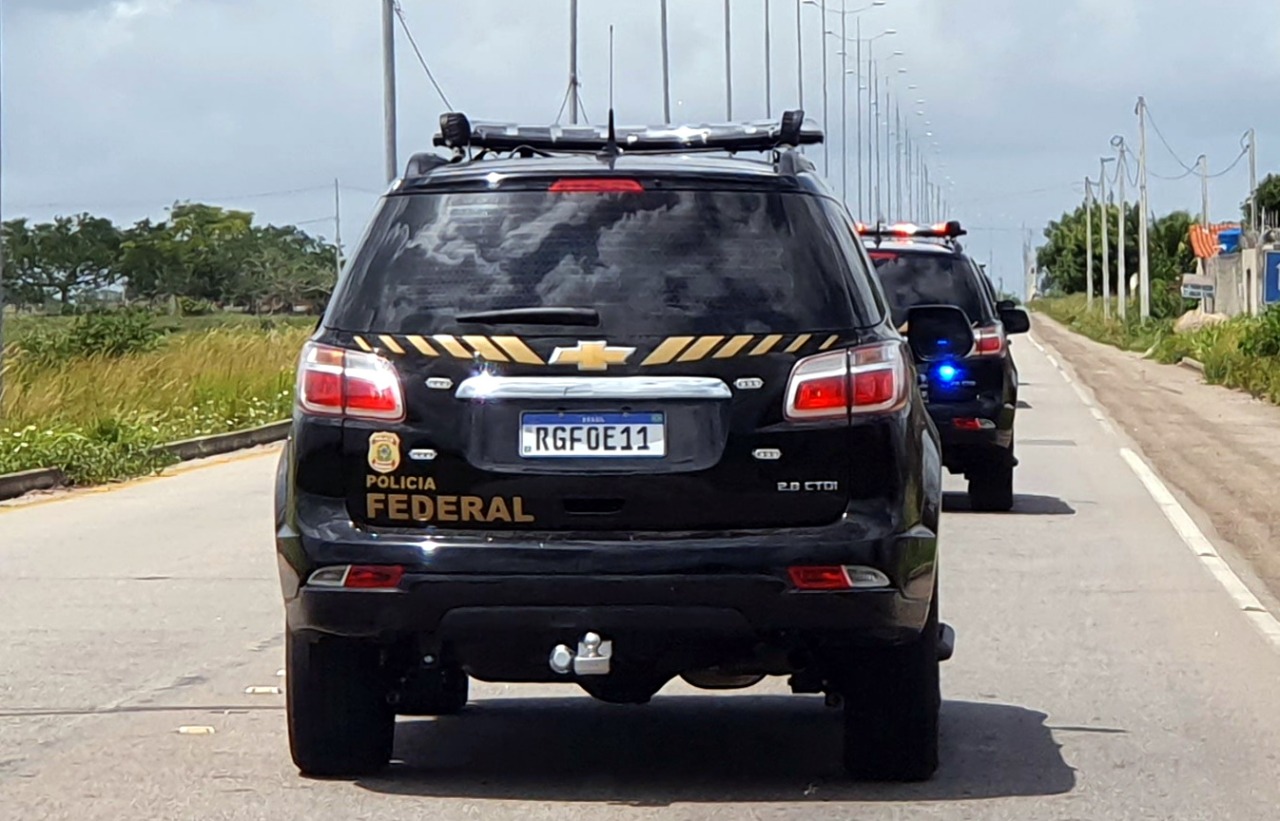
(123, 106)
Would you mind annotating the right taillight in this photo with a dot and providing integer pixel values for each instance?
(989, 341)
(337, 382)
(865, 380)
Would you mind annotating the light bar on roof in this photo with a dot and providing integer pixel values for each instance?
(766, 135)
(942, 230)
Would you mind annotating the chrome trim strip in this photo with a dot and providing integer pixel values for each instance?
(488, 386)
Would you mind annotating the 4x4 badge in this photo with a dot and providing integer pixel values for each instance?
(384, 452)
(591, 356)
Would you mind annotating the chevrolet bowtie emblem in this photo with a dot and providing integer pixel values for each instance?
(591, 356)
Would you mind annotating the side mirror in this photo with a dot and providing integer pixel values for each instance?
(938, 332)
(1006, 305)
(1016, 320)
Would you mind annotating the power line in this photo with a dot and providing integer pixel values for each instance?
(1231, 167)
(405, 25)
(169, 201)
(1165, 142)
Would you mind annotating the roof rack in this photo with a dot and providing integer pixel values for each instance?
(458, 133)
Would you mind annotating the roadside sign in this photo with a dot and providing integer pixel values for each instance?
(1271, 284)
(1197, 286)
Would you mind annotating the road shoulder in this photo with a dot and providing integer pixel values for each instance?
(1212, 445)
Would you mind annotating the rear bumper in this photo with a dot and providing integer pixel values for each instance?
(459, 586)
(961, 447)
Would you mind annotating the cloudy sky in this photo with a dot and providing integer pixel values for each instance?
(121, 107)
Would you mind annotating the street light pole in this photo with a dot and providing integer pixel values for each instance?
(573, 62)
(858, 106)
(826, 119)
(389, 87)
(844, 103)
(1144, 206)
(666, 66)
(768, 62)
(1088, 233)
(728, 61)
(800, 50)
(1122, 274)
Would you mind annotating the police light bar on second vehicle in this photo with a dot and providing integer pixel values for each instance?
(942, 230)
(458, 132)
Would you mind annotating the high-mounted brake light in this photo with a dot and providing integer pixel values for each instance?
(337, 382)
(865, 380)
(597, 186)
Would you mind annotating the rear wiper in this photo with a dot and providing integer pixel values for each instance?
(583, 317)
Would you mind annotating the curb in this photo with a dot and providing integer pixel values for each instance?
(1191, 364)
(228, 442)
(15, 485)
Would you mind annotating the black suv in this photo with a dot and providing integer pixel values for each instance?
(603, 407)
(972, 395)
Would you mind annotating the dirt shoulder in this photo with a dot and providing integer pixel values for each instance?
(1219, 447)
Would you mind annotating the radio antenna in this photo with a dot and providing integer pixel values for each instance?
(611, 148)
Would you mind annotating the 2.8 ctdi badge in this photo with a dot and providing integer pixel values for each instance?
(384, 452)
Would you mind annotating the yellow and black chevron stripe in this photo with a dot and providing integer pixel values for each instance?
(673, 349)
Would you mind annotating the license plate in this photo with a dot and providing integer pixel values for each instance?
(593, 435)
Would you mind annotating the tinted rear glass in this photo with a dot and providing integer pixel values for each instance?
(911, 279)
(657, 262)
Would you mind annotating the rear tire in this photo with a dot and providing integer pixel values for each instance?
(892, 698)
(339, 721)
(991, 486)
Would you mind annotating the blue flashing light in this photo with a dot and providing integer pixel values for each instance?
(948, 373)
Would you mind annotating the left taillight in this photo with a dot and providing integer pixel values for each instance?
(869, 379)
(338, 382)
(989, 341)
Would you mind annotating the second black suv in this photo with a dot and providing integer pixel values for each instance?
(606, 408)
(973, 395)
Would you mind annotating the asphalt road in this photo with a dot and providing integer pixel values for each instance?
(1101, 673)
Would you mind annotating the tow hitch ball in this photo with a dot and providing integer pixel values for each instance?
(591, 659)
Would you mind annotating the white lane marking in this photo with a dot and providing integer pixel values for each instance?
(1036, 342)
(1191, 535)
(262, 691)
(194, 730)
(1053, 361)
(1084, 397)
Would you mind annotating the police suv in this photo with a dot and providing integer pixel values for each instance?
(611, 407)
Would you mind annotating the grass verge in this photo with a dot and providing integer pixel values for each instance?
(1242, 353)
(101, 418)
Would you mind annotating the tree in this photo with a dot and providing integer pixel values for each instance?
(1268, 198)
(62, 258)
(1063, 257)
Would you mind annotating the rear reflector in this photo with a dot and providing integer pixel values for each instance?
(337, 382)
(837, 578)
(819, 578)
(597, 186)
(373, 577)
(974, 424)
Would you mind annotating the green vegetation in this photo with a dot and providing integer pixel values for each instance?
(96, 395)
(198, 261)
(1242, 353)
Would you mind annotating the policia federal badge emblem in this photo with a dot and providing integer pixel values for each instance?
(384, 452)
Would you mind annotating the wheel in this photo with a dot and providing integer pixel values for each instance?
(991, 486)
(441, 691)
(339, 721)
(892, 698)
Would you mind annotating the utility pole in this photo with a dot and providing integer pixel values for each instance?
(1144, 207)
(666, 66)
(897, 160)
(800, 49)
(1088, 233)
(1122, 276)
(1106, 240)
(1204, 190)
(768, 62)
(1254, 222)
(728, 61)
(573, 62)
(826, 120)
(337, 228)
(389, 86)
(857, 104)
(844, 103)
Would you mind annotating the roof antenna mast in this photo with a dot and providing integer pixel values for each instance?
(611, 147)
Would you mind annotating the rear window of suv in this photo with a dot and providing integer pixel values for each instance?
(658, 262)
(927, 278)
